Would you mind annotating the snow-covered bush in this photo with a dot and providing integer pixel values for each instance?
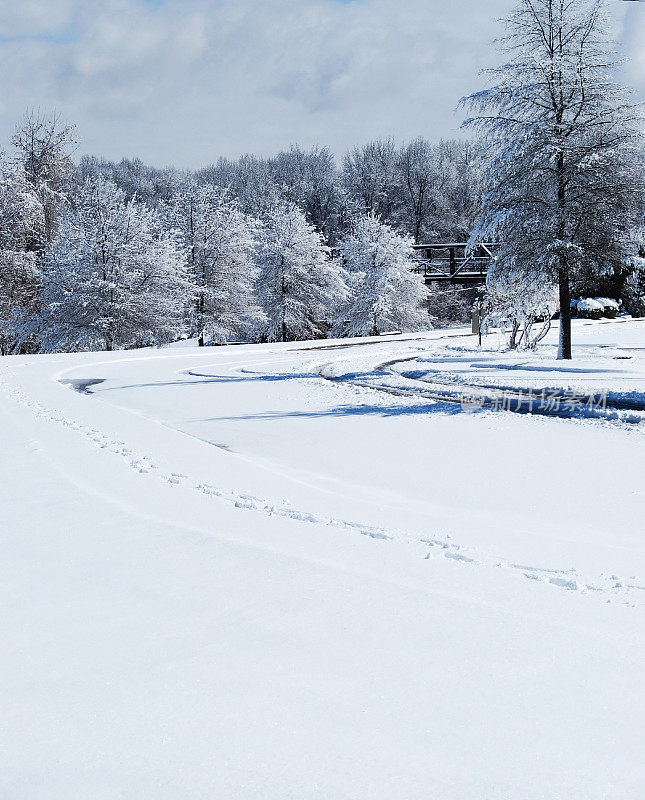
(301, 286)
(385, 292)
(587, 308)
(595, 307)
(517, 300)
(609, 306)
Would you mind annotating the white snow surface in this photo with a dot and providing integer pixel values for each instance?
(287, 571)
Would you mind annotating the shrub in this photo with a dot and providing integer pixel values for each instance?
(634, 291)
(609, 307)
(587, 308)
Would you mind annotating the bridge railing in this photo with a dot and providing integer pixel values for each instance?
(471, 266)
(441, 261)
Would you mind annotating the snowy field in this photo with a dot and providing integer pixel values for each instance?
(307, 571)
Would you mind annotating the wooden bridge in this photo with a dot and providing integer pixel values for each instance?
(447, 261)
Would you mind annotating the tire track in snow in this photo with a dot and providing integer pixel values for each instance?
(569, 580)
(488, 397)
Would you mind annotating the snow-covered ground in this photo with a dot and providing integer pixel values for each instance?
(303, 571)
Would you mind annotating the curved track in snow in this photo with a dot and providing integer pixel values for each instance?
(441, 386)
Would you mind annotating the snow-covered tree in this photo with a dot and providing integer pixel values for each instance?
(151, 185)
(422, 181)
(21, 222)
(633, 289)
(44, 144)
(220, 244)
(562, 139)
(309, 180)
(634, 293)
(386, 293)
(247, 180)
(18, 294)
(301, 286)
(371, 176)
(112, 277)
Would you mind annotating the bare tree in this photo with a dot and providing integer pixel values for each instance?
(310, 180)
(461, 163)
(45, 144)
(372, 178)
(422, 185)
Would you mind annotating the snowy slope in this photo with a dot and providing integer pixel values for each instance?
(259, 572)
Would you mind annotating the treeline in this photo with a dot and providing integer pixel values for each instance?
(425, 190)
(104, 255)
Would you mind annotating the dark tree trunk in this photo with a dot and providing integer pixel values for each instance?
(512, 342)
(283, 288)
(201, 305)
(617, 283)
(564, 290)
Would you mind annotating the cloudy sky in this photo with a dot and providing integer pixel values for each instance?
(185, 81)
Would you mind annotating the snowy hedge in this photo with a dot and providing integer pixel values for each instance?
(595, 308)
(609, 307)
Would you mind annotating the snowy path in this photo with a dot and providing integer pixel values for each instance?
(227, 576)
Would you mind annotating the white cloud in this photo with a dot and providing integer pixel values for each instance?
(631, 35)
(35, 17)
(185, 81)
